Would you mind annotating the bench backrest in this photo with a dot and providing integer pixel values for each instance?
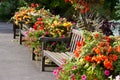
(75, 37)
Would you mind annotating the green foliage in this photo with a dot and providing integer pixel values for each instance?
(117, 12)
(117, 65)
(109, 6)
(8, 8)
(57, 6)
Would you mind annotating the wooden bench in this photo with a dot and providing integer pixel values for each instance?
(57, 57)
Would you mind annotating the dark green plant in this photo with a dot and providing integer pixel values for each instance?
(8, 8)
(109, 7)
(117, 12)
(57, 7)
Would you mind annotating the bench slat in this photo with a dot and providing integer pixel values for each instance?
(55, 58)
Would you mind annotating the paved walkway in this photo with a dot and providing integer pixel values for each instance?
(15, 59)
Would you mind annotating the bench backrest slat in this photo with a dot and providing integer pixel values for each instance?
(76, 36)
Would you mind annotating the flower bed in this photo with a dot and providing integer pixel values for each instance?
(48, 26)
(45, 24)
(97, 57)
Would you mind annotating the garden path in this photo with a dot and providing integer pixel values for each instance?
(15, 59)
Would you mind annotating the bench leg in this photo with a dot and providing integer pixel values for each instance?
(43, 63)
(14, 31)
(20, 38)
(33, 54)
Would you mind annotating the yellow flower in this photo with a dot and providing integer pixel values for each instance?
(67, 24)
(64, 24)
(56, 23)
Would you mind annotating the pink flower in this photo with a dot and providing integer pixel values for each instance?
(73, 77)
(64, 60)
(47, 32)
(117, 77)
(63, 36)
(37, 5)
(59, 68)
(32, 5)
(53, 43)
(39, 19)
(55, 72)
(26, 33)
(107, 72)
(35, 51)
(40, 48)
(83, 77)
(48, 48)
(74, 67)
(34, 39)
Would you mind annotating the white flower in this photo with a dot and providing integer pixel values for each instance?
(117, 77)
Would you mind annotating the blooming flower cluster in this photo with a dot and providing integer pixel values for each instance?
(48, 25)
(26, 14)
(80, 5)
(96, 58)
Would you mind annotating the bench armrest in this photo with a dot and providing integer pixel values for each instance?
(46, 39)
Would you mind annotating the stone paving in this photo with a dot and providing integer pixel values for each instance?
(15, 59)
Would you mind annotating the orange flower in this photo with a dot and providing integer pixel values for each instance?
(118, 48)
(115, 57)
(96, 35)
(107, 44)
(76, 53)
(101, 44)
(108, 64)
(103, 57)
(110, 57)
(110, 49)
(97, 50)
(96, 59)
(88, 58)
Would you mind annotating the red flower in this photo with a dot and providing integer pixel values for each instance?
(41, 28)
(80, 43)
(66, 0)
(108, 39)
(88, 58)
(32, 5)
(82, 11)
(107, 43)
(86, 5)
(35, 27)
(115, 57)
(108, 64)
